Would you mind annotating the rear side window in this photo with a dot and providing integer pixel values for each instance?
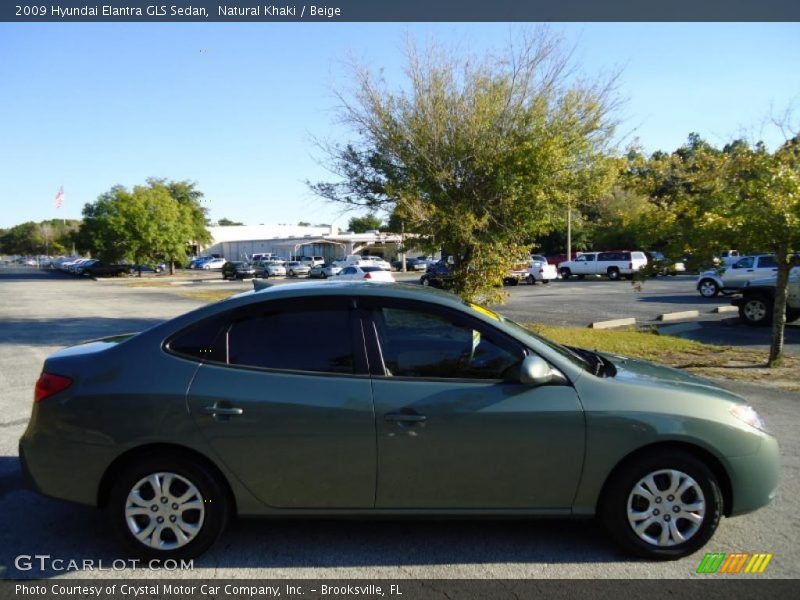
(202, 341)
(318, 340)
(767, 262)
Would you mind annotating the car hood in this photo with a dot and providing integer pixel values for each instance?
(640, 372)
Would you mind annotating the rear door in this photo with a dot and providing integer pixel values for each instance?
(285, 402)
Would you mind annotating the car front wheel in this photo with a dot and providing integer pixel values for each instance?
(565, 273)
(167, 507)
(708, 288)
(664, 506)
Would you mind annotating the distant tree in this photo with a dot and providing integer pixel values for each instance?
(478, 156)
(150, 223)
(223, 222)
(25, 238)
(362, 224)
(303, 224)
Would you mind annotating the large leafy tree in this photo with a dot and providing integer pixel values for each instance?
(476, 155)
(149, 223)
(742, 196)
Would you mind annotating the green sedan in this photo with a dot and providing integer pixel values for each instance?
(363, 399)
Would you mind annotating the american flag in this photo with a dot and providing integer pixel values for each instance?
(59, 197)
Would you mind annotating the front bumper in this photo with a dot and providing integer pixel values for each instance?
(754, 478)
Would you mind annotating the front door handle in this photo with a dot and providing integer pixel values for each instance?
(405, 417)
(218, 410)
(222, 411)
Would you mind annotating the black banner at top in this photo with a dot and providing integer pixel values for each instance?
(398, 10)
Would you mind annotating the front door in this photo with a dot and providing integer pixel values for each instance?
(288, 406)
(455, 428)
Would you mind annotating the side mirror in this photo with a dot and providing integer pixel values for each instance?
(536, 371)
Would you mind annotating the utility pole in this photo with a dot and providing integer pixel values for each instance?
(569, 228)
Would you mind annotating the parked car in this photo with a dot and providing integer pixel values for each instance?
(371, 399)
(238, 270)
(269, 268)
(540, 270)
(365, 273)
(213, 264)
(312, 261)
(197, 263)
(757, 302)
(295, 268)
(438, 275)
(324, 271)
(658, 264)
(733, 278)
(145, 268)
(516, 274)
(614, 264)
(379, 262)
(557, 259)
(80, 266)
(352, 259)
(102, 269)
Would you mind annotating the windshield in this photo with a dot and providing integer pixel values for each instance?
(573, 356)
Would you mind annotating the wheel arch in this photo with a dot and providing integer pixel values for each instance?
(138, 453)
(698, 452)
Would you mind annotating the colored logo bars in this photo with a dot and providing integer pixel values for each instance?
(734, 563)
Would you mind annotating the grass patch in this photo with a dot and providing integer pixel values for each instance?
(727, 362)
(210, 295)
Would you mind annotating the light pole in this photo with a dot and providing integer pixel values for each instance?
(569, 228)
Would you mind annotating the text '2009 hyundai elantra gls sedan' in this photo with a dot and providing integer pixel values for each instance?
(358, 399)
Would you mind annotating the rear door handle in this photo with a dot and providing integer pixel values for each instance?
(403, 417)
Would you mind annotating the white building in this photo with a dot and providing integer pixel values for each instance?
(239, 242)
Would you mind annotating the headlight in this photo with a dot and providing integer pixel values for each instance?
(749, 415)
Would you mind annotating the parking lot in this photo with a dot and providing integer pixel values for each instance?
(43, 311)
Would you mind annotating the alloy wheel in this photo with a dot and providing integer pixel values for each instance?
(755, 311)
(164, 511)
(666, 508)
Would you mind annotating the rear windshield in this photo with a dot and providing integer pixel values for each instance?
(370, 269)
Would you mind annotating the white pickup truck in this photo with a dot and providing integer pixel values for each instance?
(614, 264)
(758, 299)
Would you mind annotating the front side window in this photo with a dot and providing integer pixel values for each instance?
(745, 263)
(418, 343)
(318, 340)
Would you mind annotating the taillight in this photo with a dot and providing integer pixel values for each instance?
(367, 276)
(49, 384)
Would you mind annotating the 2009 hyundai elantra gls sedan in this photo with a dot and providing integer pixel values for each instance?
(358, 399)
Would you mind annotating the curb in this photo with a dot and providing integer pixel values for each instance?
(725, 309)
(613, 323)
(675, 316)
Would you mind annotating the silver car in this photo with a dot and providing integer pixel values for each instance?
(295, 268)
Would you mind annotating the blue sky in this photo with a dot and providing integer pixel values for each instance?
(236, 107)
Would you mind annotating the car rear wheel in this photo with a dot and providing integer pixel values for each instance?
(167, 507)
(708, 288)
(613, 274)
(756, 310)
(531, 280)
(565, 273)
(664, 506)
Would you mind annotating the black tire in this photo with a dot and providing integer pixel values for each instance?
(619, 492)
(792, 314)
(613, 274)
(425, 281)
(531, 280)
(565, 273)
(324, 276)
(212, 497)
(708, 288)
(756, 310)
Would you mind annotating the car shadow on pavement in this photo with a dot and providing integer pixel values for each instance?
(733, 332)
(34, 525)
(684, 299)
(68, 330)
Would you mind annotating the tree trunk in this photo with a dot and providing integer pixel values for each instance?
(172, 267)
(779, 308)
